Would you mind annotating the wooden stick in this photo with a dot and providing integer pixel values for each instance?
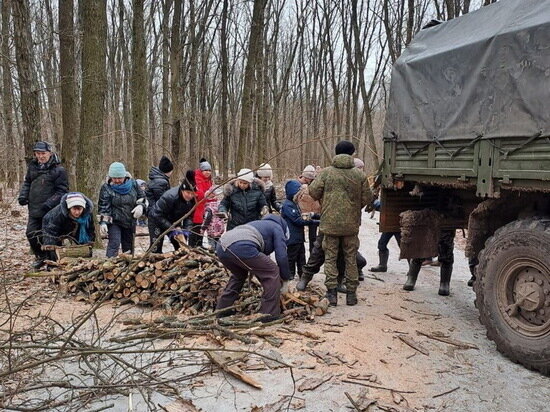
(408, 341)
(446, 393)
(457, 343)
(375, 386)
(232, 370)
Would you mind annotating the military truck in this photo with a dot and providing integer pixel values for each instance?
(467, 135)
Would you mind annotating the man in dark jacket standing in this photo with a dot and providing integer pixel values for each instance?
(71, 219)
(343, 191)
(246, 249)
(45, 182)
(172, 206)
(159, 181)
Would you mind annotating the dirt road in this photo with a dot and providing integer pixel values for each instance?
(371, 343)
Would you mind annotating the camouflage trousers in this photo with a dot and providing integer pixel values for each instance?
(349, 246)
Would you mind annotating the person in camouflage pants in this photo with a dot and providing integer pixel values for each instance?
(343, 191)
(445, 248)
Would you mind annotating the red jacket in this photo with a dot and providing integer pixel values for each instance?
(202, 186)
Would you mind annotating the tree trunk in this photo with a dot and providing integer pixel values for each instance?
(30, 107)
(175, 64)
(94, 85)
(224, 91)
(165, 111)
(249, 85)
(67, 68)
(12, 175)
(139, 92)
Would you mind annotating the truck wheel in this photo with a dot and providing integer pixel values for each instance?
(513, 291)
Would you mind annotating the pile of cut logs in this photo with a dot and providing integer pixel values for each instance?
(187, 280)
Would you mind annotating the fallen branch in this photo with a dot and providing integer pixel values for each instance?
(444, 339)
(376, 386)
(232, 370)
(446, 393)
(408, 341)
(357, 408)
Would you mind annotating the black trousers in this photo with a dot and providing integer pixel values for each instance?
(195, 237)
(154, 233)
(296, 258)
(34, 235)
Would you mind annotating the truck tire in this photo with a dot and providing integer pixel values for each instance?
(513, 291)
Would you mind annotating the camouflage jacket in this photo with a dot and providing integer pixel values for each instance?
(343, 191)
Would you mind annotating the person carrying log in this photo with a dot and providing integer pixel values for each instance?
(246, 249)
(171, 207)
(72, 220)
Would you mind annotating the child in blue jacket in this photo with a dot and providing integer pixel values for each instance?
(296, 222)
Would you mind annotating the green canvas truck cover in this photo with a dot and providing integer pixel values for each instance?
(485, 74)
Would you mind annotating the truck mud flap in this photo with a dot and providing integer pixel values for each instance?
(419, 233)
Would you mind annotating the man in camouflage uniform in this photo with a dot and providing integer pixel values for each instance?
(445, 248)
(343, 191)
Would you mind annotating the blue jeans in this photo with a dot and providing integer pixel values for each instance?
(385, 239)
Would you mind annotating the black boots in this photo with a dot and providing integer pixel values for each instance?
(472, 264)
(342, 287)
(446, 271)
(351, 298)
(332, 296)
(383, 265)
(412, 274)
(303, 282)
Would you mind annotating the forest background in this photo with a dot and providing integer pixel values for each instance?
(239, 82)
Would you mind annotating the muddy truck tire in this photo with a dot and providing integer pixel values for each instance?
(513, 291)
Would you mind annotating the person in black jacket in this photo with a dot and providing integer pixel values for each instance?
(159, 181)
(265, 173)
(45, 182)
(121, 202)
(244, 199)
(172, 206)
(71, 219)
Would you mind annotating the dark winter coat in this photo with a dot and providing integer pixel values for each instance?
(293, 217)
(43, 186)
(169, 208)
(243, 205)
(157, 185)
(116, 208)
(271, 198)
(58, 224)
(343, 191)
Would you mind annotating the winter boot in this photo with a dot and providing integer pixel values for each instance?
(412, 274)
(332, 296)
(351, 298)
(473, 278)
(361, 277)
(342, 287)
(303, 282)
(383, 265)
(445, 278)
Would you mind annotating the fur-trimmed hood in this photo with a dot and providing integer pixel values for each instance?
(231, 187)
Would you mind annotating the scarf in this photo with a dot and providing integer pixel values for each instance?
(83, 226)
(124, 188)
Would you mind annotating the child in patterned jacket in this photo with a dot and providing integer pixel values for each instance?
(213, 225)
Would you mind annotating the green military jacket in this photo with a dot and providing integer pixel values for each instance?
(343, 190)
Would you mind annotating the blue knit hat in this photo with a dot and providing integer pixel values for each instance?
(117, 169)
(291, 188)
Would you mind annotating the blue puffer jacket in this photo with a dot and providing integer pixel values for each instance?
(293, 215)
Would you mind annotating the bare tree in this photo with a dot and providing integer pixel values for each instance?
(30, 107)
(94, 84)
(139, 91)
(69, 98)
